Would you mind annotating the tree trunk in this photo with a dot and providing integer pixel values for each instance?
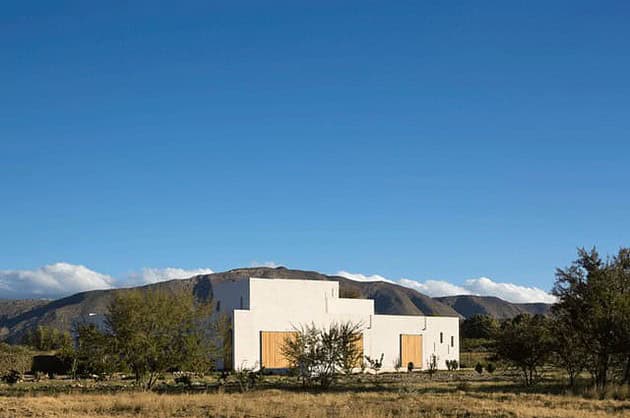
(626, 373)
(602, 372)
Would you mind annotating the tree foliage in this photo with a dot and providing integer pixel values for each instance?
(525, 342)
(14, 359)
(47, 339)
(153, 331)
(479, 327)
(146, 332)
(593, 312)
(95, 353)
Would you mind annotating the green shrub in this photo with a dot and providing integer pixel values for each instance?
(490, 368)
(479, 368)
(452, 365)
(15, 358)
(12, 377)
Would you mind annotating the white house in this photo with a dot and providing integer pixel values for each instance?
(265, 311)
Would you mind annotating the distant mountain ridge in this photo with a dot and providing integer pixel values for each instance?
(469, 305)
(18, 316)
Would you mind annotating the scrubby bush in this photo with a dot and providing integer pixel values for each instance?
(318, 356)
(247, 378)
(12, 377)
(432, 365)
(479, 368)
(375, 365)
(490, 368)
(452, 364)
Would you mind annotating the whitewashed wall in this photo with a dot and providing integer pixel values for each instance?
(282, 305)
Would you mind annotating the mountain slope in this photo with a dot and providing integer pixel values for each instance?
(469, 305)
(18, 316)
(63, 313)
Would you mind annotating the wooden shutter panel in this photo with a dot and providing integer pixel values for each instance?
(411, 350)
(359, 344)
(271, 343)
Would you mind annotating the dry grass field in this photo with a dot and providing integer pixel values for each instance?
(396, 397)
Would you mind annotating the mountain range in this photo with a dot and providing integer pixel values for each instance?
(18, 316)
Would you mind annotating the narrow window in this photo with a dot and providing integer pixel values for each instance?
(441, 337)
(241, 302)
(452, 341)
(218, 305)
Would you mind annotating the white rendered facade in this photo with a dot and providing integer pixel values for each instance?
(258, 305)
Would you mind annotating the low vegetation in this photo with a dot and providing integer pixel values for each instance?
(449, 394)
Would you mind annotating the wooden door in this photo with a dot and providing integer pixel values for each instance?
(271, 343)
(411, 350)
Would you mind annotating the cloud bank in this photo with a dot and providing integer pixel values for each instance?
(62, 279)
(482, 286)
(358, 277)
(51, 281)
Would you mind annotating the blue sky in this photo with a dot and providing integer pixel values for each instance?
(419, 140)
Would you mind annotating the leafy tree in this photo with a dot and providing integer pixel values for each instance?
(479, 326)
(222, 327)
(594, 302)
(525, 343)
(153, 331)
(568, 352)
(15, 360)
(95, 352)
(47, 338)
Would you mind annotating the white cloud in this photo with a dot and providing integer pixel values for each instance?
(51, 281)
(153, 275)
(61, 279)
(434, 287)
(508, 291)
(482, 286)
(358, 277)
